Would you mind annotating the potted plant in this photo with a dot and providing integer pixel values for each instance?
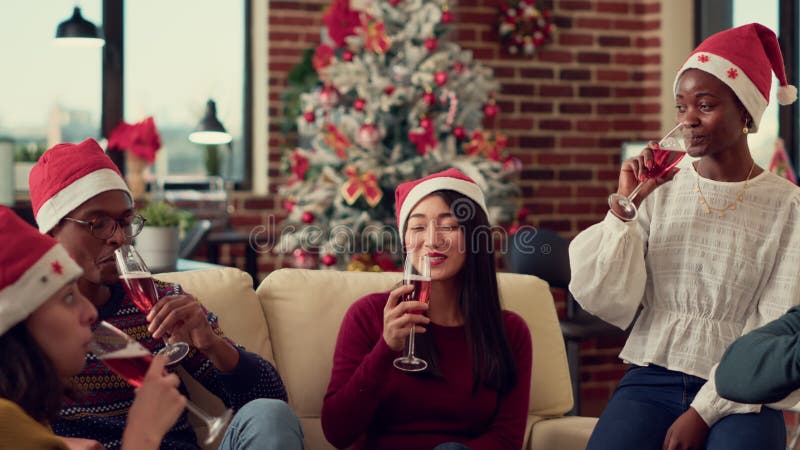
(25, 157)
(159, 241)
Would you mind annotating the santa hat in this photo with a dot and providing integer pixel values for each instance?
(33, 267)
(744, 59)
(66, 176)
(408, 194)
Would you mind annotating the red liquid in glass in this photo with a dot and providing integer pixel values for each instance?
(131, 366)
(422, 289)
(664, 160)
(141, 290)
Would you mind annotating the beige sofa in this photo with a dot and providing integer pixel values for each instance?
(294, 318)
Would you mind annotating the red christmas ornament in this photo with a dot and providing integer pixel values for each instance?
(347, 56)
(359, 104)
(389, 90)
(310, 116)
(303, 259)
(447, 17)
(512, 230)
(307, 217)
(458, 67)
(395, 2)
(460, 133)
(440, 78)
(288, 205)
(429, 98)
(368, 136)
(426, 123)
(329, 260)
(328, 97)
(431, 44)
(522, 214)
(490, 110)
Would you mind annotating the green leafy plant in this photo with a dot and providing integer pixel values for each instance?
(30, 152)
(163, 214)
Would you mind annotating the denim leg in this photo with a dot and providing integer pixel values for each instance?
(264, 424)
(451, 446)
(641, 410)
(765, 431)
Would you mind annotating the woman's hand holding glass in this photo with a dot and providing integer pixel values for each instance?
(398, 315)
(157, 406)
(640, 175)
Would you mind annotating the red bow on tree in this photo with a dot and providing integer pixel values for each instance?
(336, 140)
(375, 34)
(359, 184)
(141, 139)
(491, 144)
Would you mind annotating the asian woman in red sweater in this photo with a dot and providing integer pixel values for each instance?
(474, 393)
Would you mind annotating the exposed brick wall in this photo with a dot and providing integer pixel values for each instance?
(566, 112)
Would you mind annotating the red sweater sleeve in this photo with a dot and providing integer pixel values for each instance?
(507, 430)
(361, 362)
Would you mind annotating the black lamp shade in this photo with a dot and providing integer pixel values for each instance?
(209, 130)
(78, 30)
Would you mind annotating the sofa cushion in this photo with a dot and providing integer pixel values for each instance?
(315, 302)
(228, 293)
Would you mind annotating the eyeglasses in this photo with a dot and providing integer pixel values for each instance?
(104, 227)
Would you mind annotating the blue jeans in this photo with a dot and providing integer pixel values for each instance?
(649, 399)
(264, 424)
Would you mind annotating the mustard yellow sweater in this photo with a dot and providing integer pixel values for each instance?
(19, 431)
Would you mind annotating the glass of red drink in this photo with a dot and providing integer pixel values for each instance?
(138, 283)
(670, 151)
(128, 359)
(420, 277)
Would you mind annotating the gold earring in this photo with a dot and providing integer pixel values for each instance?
(745, 130)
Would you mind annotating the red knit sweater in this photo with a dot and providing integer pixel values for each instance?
(372, 405)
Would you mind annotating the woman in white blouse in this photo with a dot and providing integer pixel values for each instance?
(714, 252)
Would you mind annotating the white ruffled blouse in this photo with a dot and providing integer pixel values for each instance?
(701, 280)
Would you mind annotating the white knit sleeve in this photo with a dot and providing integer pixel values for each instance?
(608, 269)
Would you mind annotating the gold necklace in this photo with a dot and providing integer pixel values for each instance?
(730, 206)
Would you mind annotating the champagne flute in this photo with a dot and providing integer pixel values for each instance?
(671, 150)
(138, 283)
(421, 279)
(128, 359)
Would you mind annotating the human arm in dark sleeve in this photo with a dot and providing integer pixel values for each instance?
(763, 366)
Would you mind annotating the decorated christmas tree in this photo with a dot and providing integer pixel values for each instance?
(395, 102)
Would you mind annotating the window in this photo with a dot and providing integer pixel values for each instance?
(179, 54)
(50, 94)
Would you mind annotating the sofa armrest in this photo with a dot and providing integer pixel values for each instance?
(561, 433)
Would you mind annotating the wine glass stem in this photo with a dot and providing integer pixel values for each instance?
(635, 191)
(194, 409)
(166, 342)
(411, 342)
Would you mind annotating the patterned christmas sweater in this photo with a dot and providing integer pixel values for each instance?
(100, 409)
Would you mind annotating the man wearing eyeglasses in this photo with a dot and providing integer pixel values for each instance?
(79, 197)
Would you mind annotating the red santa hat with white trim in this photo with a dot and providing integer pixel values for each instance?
(408, 194)
(66, 176)
(33, 267)
(744, 58)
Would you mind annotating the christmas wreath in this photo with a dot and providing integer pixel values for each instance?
(524, 27)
